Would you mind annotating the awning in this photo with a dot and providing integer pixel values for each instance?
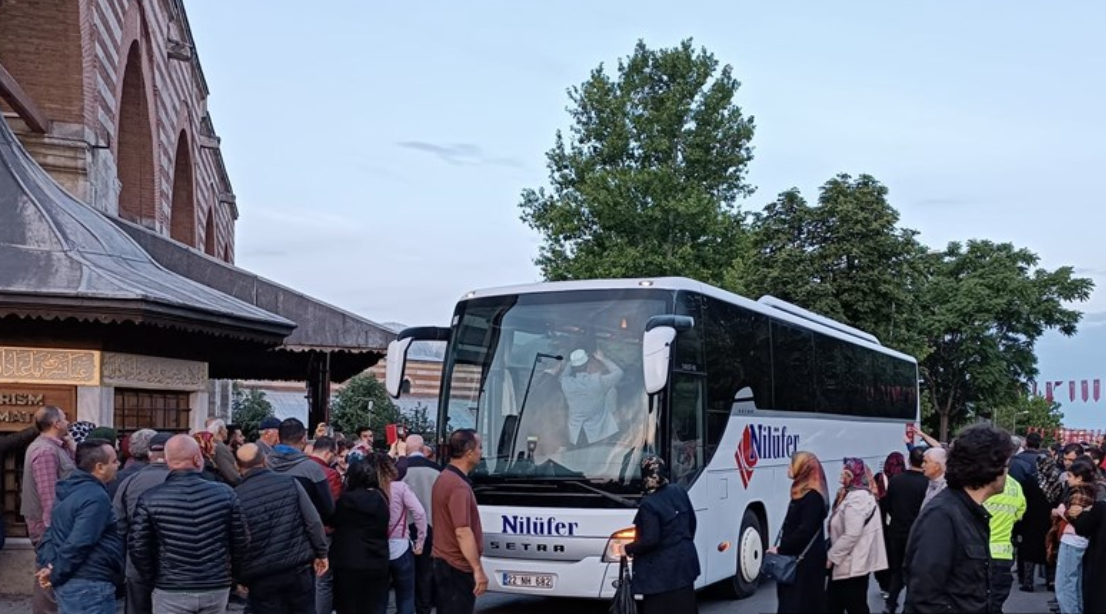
(350, 343)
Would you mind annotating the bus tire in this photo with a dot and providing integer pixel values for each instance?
(750, 555)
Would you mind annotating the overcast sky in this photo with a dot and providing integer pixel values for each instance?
(378, 149)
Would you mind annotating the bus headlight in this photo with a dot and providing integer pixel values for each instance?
(616, 545)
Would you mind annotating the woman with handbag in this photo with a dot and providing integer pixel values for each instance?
(856, 538)
(802, 542)
(666, 562)
(404, 510)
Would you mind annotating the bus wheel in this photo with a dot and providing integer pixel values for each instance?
(750, 555)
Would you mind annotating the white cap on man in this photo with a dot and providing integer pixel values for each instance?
(578, 358)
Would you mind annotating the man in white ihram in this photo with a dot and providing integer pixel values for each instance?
(585, 385)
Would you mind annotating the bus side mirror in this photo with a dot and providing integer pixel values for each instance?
(396, 365)
(656, 348)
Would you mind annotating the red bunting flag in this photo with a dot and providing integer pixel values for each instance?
(1086, 390)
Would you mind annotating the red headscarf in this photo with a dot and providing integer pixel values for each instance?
(207, 444)
(892, 466)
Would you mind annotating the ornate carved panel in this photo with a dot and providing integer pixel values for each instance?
(49, 366)
(134, 371)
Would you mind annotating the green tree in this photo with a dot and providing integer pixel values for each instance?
(418, 421)
(845, 258)
(1029, 411)
(248, 409)
(363, 402)
(648, 181)
(983, 306)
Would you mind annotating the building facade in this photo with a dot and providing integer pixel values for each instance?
(119, 301)
(125, 101)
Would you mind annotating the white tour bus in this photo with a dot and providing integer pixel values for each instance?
(723, 388)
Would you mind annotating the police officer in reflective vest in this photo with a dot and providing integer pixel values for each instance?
(1006, 509)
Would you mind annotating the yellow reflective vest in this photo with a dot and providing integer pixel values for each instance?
(1005, 508)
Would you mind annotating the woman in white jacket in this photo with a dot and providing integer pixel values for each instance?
(856, 541)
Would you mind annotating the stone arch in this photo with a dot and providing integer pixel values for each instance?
(210, 240)
(135, 145)
(182, 216)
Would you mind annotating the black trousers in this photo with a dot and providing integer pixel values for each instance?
(358, 592)
(848, 596)
(681, 600)
(453, 589)
(896, 552)
(291, 592)
(1002, 580)
(139, 598)
(424, 576)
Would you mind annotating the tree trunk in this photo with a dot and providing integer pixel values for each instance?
(944, 434)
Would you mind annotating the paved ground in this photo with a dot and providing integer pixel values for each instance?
(763, 601)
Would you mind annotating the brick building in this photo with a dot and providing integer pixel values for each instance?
(119, 300)
(121, 91)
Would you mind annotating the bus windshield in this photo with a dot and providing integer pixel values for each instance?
(553, 383)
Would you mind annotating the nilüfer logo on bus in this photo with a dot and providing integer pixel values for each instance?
(759, 441)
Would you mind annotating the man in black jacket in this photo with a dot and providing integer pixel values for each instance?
(948, 558)
(286, 537)
(1035, 524)
(187, 536)
(905, 494)
(288, 458)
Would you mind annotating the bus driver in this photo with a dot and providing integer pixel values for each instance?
(586, 384)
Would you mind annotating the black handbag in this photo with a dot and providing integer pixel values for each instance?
(782, 567)
(623, 602)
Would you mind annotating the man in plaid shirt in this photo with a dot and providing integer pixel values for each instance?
(49, 459)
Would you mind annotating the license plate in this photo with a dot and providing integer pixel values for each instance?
(528, 580)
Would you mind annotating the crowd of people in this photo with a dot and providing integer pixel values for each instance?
(945, 525)
(180, 523)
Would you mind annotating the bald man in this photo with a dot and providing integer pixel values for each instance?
(421, 475)
(187, 535)
(289, 548)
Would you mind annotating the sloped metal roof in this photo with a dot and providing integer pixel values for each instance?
(59, 258)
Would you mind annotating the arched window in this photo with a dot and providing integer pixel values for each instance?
(182, 221)
(136, 146)
(209, 233)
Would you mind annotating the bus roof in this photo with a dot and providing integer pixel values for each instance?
(768, 306)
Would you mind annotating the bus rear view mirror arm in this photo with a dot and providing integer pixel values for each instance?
(397, 354)
(656, 348)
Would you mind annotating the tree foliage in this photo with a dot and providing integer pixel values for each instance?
(419, 422)
(363, 402)
(1029, 411)
(984, 306)
(248, 409)
(845, 258)
(647, 182)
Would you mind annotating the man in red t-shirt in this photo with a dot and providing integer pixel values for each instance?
(459, 577)
(324, 453)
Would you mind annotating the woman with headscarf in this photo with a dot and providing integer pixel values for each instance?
(893, 465)
(207, 449)
(856, 541)
(666, 563)
(80, 430)
(803, 535)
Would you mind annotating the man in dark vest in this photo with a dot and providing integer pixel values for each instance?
(49, 459)
(288, 546)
